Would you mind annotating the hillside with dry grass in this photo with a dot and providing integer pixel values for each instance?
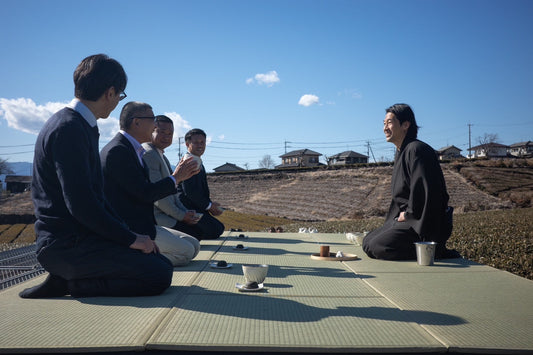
(16, 204)
(321, 195)
(349, 193)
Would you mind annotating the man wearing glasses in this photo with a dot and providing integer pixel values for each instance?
(128, 188)
(84, 245)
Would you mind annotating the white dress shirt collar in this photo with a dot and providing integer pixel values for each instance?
(83, 110)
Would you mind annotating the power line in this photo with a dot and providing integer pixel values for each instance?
(217, 147)
(293, 142)
(16, 146)
(247, 143)
(504, 125)
(326, 147)
(30, 151)
(322, 143)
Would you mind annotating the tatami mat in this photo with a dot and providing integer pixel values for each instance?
(497, 307)
(90, 324)
(249, 322)
(440, 266)
(291, 281)
(306, 305)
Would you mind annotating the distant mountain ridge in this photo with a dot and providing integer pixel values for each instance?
(21, 168)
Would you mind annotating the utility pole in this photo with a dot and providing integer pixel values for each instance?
(179, 147)
(469, 140)
(369, 150)
(286, 146)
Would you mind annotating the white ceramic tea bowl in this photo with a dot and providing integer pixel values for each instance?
(255, 272)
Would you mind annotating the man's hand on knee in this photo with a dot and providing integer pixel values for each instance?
(144, 244)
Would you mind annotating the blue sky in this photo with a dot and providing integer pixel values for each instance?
(264, 76)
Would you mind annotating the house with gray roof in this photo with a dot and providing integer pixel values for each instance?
(489, 150)
(228, 167)
(18, 183)
(347, 157)
(521, 150)
(299, 158)
(449, 153)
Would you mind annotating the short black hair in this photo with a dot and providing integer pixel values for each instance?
(129, 111)
(403, 112)
(194, 132)
(97, 73)
(163, 118)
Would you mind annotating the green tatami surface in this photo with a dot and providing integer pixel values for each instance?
(306, 305)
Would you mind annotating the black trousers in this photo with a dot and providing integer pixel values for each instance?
(208, 227)
(95, 267)
(394, 241)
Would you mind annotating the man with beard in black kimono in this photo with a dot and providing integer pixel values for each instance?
(419, 208)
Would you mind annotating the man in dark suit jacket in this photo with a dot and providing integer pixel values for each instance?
(83, 244)
(129, 190)
(194, 192)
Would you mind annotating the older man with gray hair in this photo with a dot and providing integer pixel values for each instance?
(128, 187)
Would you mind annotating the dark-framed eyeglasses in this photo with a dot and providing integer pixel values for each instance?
(144, 117)
(122, 96)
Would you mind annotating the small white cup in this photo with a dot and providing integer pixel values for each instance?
(195, 157)
(359, 238)
(356, 238)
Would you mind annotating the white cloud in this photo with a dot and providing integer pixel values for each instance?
(108, 127)
(221, 137)
(268, 79)
(181, 126)
(308, 100)
(25, 115)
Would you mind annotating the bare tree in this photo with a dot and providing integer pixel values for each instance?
(488, 138)
(266, 162)
(486, 141)
(4, 167)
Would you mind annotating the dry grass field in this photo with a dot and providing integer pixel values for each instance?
(492, 200)
(322, 195)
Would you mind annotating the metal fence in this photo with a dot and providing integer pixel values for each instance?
(18, 265)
